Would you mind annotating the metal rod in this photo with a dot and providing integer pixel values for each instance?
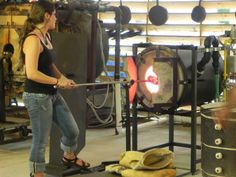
(171, 132)
(193, 110)
(101, 83)
(134, 109)
(127, 121)
(135, 125)
(117, 42)
(91, 66)
(117, 67)
(112, 82)
(2, 94)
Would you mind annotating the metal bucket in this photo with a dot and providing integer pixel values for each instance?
(218, 145)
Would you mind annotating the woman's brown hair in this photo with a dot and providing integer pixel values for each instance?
(35, 17)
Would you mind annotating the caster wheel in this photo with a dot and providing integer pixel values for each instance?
(1, 136)
(24, 132)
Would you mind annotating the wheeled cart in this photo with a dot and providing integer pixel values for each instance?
(14, 125)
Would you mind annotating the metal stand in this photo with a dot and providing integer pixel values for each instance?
(9, 124)
(171, 143)
(2, 93)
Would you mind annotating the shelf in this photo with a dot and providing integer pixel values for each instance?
(16, 20)
(175, 18)
(179, 28)
(163, 1)
(169, 40)
(178, 6)
(231, 12)
(138, 26)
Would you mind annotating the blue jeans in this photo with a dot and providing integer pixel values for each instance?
(44, 109)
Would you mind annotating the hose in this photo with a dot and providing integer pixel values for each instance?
(93, 107)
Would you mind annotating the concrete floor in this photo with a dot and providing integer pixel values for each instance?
(104, 145)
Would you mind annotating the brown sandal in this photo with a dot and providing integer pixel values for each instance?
(73, 162)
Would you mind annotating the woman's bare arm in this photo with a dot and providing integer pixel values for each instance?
(32, 49)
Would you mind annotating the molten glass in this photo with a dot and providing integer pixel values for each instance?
(153, 84)
(153, 80)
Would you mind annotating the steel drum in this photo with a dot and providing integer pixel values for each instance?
(218, 145)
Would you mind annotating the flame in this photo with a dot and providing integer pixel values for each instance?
(152, 87)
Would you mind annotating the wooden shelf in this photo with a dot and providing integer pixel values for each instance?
(175, 18)
(163, 1)
(179, 28)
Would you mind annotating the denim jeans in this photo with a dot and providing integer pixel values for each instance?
(44, 109)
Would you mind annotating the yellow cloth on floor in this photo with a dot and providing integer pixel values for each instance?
(126, 172)
(149, 173)
(115, 168)
(153, 159)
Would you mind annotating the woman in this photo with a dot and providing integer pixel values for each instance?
(40, 96)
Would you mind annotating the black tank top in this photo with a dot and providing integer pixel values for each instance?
(46, 58)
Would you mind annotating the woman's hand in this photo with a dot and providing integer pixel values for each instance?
(65, 83)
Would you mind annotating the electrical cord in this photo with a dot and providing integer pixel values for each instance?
(93, 107)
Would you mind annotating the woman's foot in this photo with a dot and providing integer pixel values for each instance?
(70, 159)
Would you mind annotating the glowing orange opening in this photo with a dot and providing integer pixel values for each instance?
(154, 85)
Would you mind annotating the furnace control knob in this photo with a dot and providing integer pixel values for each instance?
(218, 127)
(218, 141)
(218, 170)
(219, 155)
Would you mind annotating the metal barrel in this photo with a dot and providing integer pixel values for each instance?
(218, 145)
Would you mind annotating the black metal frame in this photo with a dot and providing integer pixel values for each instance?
(11, 126)
(2, 93)
(193, 145)
(91, 72)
